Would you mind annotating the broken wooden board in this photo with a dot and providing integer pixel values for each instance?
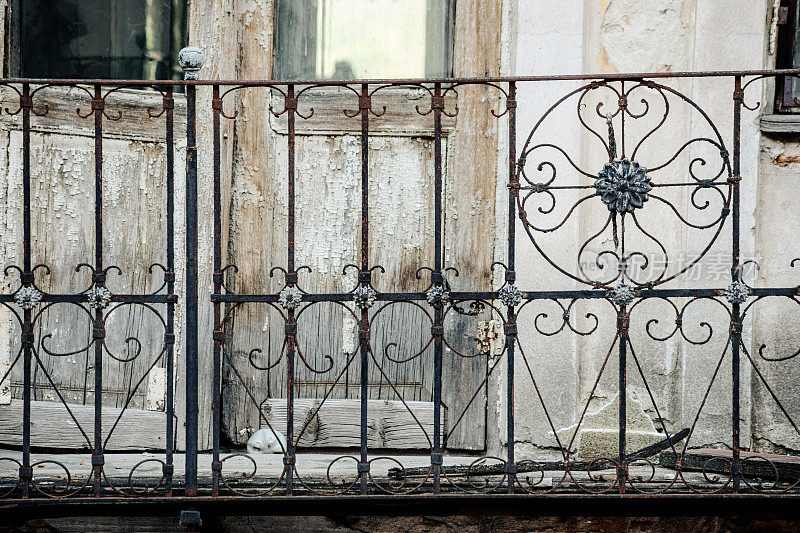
(753, 464)
(52, 426)
(336, 423)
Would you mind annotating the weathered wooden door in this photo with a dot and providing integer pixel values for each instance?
(328, 204)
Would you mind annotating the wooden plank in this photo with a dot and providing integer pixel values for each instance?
(53, 427)
(753, 463)
(62, 102)
(399, 120)
(469, 229)
(337, 422)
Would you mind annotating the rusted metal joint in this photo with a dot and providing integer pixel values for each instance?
(98, 460)
(523, 214)
(98, 104)
(168, 103)
(437, 278)
(437, 330)
(26, 278)
(219, 278)
(291, 278)
(595, 85)
(169, 338)
(216, 104)
(99, 278)
(736, 327)
(98, 333)
(510, 329)
(623, 321)
(538, 187)
(733, 179)
(216, 466)
(219, 336)
(622, 102)
(364, 277)
(26, 102)
(437, 102)
(511, 103)
(725, 211)
(25, 473)
(27, 337)
(738, 94)
(678, 322)
(290, 103)
(168, 470)
(288, 460)
(363, 467)
(291, 329)
(169, 276)
(436, 458)
(511, 276)
(363, 335)
(511, 469)
(364, 102)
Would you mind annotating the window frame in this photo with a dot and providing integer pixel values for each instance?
(786, 37)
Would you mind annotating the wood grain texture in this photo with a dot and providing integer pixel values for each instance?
(470, 206)
(53, 427)
(400, 117)
(335, 424)
(61, 104)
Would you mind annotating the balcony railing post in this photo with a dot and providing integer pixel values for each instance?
(364, 275)
(26, 471)
(437, 106)
(290, 105)
(98, 105)
(510, 277)
(216, 465)
(191, 60)
(169, 275)
(736, 276)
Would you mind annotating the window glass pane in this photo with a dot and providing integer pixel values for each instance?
(340, 39)
(129, 39)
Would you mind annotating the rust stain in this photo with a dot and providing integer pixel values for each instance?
(784, 160)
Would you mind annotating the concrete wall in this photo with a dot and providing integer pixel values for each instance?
(599, 36)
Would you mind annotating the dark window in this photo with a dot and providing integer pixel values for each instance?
(347, 39)
(788, 56)
(124, 39)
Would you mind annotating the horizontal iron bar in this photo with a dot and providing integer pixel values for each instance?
(528, 295)
(764, 506)
(383, 81)
(118, 298)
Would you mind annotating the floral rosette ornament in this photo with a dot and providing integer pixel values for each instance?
(623, 185)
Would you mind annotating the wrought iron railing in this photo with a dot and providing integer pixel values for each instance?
(615, 279)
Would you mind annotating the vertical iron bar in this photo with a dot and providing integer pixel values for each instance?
(216, 465)
(511, 325)
(364, 275)
(99, 278)
(169, 468)
(191, 293)
(25, 471)
(437, 105)
(736, 275)
(291, 279)
(622, 333)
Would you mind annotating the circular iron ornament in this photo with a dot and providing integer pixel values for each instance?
(364, 296)
(622, 294)
(737, 292)
(99, 297)
(290, 297)
(437, 296)
(623, 185)
(510, 295)
(28, 297)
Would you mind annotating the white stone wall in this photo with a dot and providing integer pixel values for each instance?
(622, 36)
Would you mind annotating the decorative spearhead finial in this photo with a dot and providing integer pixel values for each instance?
(191, 61)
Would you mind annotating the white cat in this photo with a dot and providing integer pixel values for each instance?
(266, 440)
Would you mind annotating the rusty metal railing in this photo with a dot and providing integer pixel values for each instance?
(624, 279)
